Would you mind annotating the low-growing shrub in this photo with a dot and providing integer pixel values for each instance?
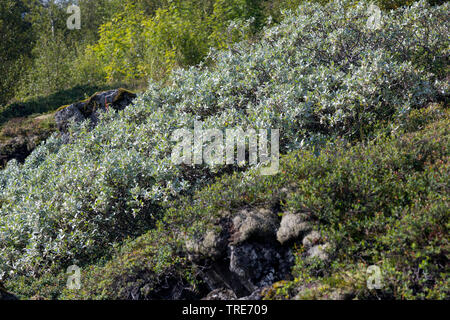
(320, 74)
(383, 203)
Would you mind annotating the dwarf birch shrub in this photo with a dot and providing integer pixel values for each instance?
(319, 74)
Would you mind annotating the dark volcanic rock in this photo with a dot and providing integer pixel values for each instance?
(250, 250)
(260, 264)
(247, 268)
(244, 257)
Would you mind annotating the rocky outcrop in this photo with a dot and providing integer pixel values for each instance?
(116, 99)
(18, 148)
(259, 264)
(28, 132)
(70, 113)
(249, 250)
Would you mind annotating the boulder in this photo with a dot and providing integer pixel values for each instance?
(258, 265)
(319, 252)
(116, 99)
(64, 116)
(212, 246)
(292, 227)
(311, 239)
(240, 255)
(257, 223)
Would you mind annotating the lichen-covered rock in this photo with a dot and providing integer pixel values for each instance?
(212, 246)
(311, 239)
(292, 226)
(258, 223)
(116, 99)
(319, 251)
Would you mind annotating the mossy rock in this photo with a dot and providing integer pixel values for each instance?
(117, 99)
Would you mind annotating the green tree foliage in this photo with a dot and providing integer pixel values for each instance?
(15, 44)
(178, 34)
(121, 44)
(51, 70)
(59, 59)
(132, 39)
(237, 11)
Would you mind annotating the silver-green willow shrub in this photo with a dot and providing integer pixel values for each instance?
(321, 73)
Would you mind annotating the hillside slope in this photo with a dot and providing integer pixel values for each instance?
(322, 77)
(310, 233)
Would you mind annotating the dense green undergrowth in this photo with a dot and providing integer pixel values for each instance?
(383, 203)
(330, 85)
